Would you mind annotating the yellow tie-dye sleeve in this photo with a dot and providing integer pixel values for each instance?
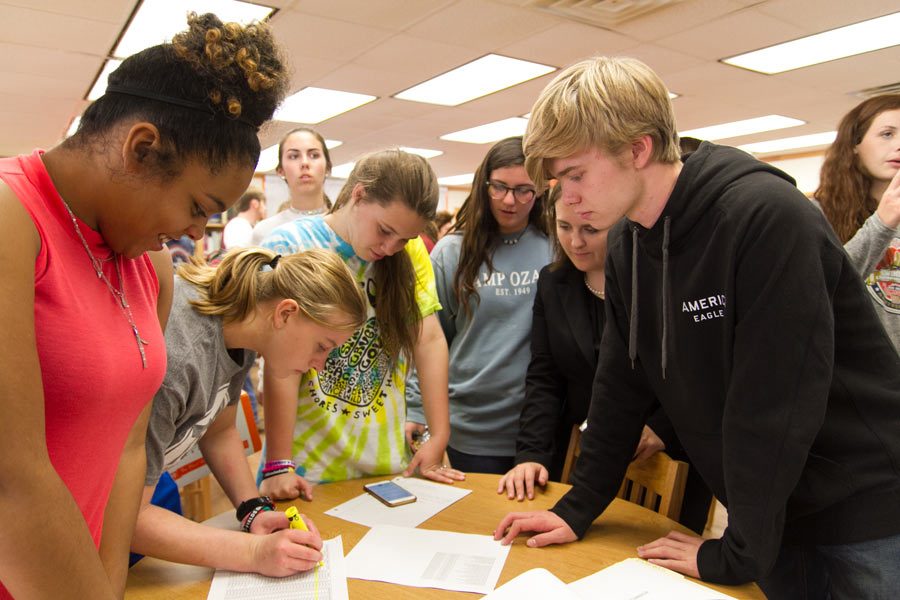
(426, 292)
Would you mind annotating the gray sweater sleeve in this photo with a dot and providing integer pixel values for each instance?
(869, 244)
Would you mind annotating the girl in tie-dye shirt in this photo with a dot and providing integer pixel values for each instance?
(348, 419)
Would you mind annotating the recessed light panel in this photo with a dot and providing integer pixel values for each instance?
(744, 127)
(465, 179)
(156, 21)
(842, 42)
(791, 143)
(342, 171)
(478, 78)
(423, 152)
(489, 132)
(314, 105)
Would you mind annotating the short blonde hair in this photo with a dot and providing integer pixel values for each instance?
(603, 103)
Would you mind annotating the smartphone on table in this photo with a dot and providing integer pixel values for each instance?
(390, 493)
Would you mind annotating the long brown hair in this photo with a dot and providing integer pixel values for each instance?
(479, 228)
(318, 280)
(844, 186)
(395, 176)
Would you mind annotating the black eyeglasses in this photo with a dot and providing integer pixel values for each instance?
(498, 191)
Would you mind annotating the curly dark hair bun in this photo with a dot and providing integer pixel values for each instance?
(241, 63)
(208, 92)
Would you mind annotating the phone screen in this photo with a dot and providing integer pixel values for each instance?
(388, 490)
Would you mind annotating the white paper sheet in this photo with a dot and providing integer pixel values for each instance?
(431, 498)
(536, 583)
(634, 578)
(422, 558)
(326, 582)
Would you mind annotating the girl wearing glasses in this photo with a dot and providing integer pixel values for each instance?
(486, 271)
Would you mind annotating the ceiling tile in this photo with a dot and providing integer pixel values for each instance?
(482, 25)
(55, 31)
(395, 15)
(305, 35)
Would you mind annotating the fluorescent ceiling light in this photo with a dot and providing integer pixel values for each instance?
(342, 171)
(99, 87)
(314, 105)
(73, 126)
(156, 21)
(268, 158)
(672, 96)
(465, 179)
(489, 132)
(842, 42)
(478, 78)
(791, 143)
(739, 128)
(423, 152)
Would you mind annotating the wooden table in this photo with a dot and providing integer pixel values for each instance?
(613, 537)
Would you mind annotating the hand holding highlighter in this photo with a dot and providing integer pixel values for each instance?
(297, 522)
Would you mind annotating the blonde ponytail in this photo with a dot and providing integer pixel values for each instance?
(318, 280)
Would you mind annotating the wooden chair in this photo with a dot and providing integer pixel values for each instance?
(656, 483)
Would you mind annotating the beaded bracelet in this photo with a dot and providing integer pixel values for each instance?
(248, 520)
(267, 474)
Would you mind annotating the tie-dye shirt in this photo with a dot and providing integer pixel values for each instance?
(351, 415)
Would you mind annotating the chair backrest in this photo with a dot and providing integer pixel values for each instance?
(656, 483)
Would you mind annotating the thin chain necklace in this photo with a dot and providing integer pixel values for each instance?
(598, 293)
(515, 240)
(118, 294)
(307, 213)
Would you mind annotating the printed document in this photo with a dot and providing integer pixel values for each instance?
(423, 558)
(536, 583)
(431, 498)
(328, 581)
(634, 579)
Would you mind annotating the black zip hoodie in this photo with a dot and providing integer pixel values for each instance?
(740, 311)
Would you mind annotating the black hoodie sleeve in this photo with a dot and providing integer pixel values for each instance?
(786, 269)
(545, 390)
(620, 402)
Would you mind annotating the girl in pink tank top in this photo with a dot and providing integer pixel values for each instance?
(173, 140)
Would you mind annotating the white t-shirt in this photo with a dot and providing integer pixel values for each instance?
(238, 233)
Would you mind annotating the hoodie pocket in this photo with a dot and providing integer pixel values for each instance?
(823, 482)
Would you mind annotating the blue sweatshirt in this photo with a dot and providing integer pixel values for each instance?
(489, 351)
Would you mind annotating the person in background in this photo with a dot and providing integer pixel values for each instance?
(731, 302)
(346, 419)
(566, 329)
(436, 229)
(303, 162)
(251, 209)
(291, 309)
(443, 221)
(487, 271)
(859, 192)
(172, 141)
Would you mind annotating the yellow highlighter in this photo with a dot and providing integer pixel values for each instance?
(297, 522)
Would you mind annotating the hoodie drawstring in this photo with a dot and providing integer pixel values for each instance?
(664, 351)
(633, 319)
